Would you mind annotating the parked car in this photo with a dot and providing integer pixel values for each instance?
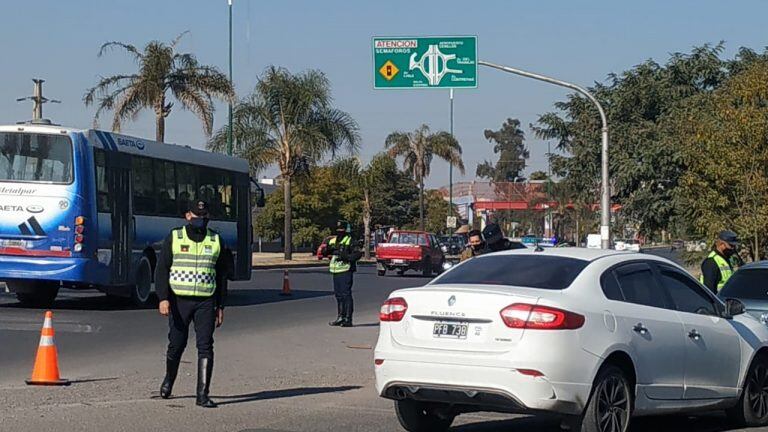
(410, 250)
(749, 284)
(594, 336)
(322, 247)
(677, 245)
(632, 245)
(452, 245)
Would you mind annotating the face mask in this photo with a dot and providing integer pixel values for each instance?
(729, 252)
(198, 223)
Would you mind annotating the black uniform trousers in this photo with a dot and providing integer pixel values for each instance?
(342, 289)
(186, 310)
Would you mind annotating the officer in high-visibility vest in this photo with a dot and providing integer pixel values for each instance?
(344, 256)
(717, 268)
(190, 282)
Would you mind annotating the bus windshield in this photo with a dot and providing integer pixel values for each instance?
(31, 157)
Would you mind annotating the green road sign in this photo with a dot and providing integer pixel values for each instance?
(424, 62)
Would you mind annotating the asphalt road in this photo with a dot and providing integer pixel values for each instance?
(279, 366)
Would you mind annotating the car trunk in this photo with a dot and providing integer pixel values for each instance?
(435, 312)
(403, 252)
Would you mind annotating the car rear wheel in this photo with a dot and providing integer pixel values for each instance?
(752, 409)
(381, 272)
(610, 406)
(421, 417)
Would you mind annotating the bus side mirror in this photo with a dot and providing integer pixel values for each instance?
(257, 195)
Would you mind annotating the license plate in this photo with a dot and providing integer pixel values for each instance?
(398, 261)
(450, 330)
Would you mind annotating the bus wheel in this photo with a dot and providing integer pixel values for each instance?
(35, 294)
(141, 290)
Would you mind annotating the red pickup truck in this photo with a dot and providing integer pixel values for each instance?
(410, 250)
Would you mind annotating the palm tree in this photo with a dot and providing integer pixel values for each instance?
(417, 149)
(289, 120)
(364, 178)
(161, 69)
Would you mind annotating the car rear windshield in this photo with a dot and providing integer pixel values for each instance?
(532, 271)
(31, 157)
(747, 284)
(408, 238)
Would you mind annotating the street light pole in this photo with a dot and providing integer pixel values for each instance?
(605, 199)
(229, 128)
(450, 171)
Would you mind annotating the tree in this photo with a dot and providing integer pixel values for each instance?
(728, 187)
(289, 120)
(417, 149)
(508, 144)
(161, 70)
(538, 175)
(437, 208)
(363, 181)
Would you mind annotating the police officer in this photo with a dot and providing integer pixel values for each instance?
(717, 268)
(191, 285)
(494, 239)
(344, 256)
(475, 246)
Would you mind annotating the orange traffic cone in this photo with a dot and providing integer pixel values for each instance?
(46, 371)
(286, 284)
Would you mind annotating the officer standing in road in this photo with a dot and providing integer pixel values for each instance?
(191, 285)
(717, 268)
(344, 256)
(474, 247)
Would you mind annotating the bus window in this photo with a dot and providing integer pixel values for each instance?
(143, 188)
(102, 188)
(187, 185)
(31, 157)
(215, 188)
(165, 182)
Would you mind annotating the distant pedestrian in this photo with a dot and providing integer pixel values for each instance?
(191, 284)
(344, 255)
(718, 267)
(474, 247)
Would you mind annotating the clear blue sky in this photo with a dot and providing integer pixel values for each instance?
(580, 41)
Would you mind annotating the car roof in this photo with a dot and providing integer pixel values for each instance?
(575, 252)
(755, 265)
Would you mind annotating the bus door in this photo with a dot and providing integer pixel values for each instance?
(119, 184)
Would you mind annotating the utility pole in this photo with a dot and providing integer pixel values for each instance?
(38, 100)
(605, 200)
(450, 172)
(229, 128)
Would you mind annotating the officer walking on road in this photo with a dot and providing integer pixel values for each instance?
(717, 268)
(191, 284)
(344, 256)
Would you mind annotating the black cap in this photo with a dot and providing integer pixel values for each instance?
(199, 208)
(492, 233)
(729, 237)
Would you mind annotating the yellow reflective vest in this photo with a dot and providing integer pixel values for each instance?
(725, 269)
(193, 272)
(337, 265)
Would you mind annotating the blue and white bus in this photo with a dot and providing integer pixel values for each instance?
(89, 209)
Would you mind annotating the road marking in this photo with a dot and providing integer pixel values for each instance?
(65, 327)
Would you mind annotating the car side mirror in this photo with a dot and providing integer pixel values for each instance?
(734, 307)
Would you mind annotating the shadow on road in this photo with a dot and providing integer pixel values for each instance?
(95, 301)
(704, 423)
(279, 394)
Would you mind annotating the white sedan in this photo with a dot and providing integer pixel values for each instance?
(591, 335)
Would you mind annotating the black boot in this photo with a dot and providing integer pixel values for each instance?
(171, 370)
(340, 318)
(204, 372)
(348, 309)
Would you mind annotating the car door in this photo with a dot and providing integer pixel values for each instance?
(653, 329)
(712, 345)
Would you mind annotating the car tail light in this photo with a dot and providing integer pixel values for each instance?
(378, 362)
(79, 238)
(79, 229)
(526, 316)
(531, 372)
(80, 220)
(393, 309)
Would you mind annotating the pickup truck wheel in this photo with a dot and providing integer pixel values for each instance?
(426, 267)
(400, 272)
(381, 272)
